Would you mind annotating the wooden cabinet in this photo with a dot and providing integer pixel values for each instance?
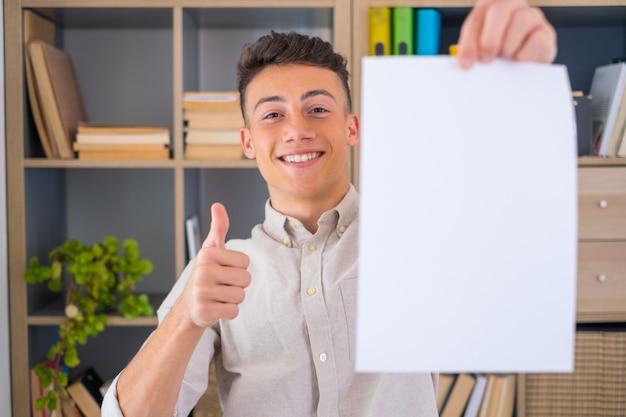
(134, 60)
(602, 244)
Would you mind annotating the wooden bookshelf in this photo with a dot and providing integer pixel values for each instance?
(133, 60)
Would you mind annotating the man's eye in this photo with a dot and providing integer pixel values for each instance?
(271, 115)
(319, 110)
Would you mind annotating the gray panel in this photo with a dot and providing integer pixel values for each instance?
(125, 75)
(243, 193)
(126, 203)
(221, 74)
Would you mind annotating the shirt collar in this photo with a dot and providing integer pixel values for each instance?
(290, 231)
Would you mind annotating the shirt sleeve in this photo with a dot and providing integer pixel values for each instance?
(196, 379)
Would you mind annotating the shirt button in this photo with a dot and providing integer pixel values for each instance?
(311, 291)
(286, 242)
(292, 223)
(342, 229)
(312, 248)
(323, 357)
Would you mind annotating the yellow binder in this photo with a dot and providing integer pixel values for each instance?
(380, 30)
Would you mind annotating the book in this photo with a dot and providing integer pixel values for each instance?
(132, 151)
(211, 100)
(124, 155)
(212, 136)
(506, 403)
(123, 135)
(584, 131)
(402, 21)
(37, 390)
(443, 389)
(85, 391)
(215, 122)
(616, 147)
(213, 118)
(192, 229)
(380, 30)
(222, 152)
(494, 394)
(427, 31)
(622, 153)
(61, 99)
(99, 128)
(607, 87)
(488, 395)
(39, 28)
(476, 398)
(459, 395)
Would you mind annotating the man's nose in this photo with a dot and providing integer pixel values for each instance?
(297, 128)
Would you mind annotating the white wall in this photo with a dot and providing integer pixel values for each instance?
(5, 369)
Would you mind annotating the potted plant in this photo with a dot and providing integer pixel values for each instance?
(101, 282)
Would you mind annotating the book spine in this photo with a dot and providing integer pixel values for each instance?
(402, 23)
(380, 30)
(427, 31)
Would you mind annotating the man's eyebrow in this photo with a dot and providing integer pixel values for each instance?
(313, 93)
(269, 99)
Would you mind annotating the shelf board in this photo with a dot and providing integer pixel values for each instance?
(52, 315)
(113, 321)
(263, 17)
(170, 163)
(177, 3)
(597, 161)
(52, 4)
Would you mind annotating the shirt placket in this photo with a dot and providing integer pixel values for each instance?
(318, 325)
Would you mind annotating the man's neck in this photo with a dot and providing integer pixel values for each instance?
(307, 210)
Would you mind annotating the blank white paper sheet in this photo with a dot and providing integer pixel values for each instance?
(468, 217)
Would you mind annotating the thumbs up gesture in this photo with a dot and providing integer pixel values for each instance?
(217, 283)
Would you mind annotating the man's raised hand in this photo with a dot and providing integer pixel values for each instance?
(217, 283)
(509, 29)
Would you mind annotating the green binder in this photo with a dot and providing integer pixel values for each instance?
(403, 24)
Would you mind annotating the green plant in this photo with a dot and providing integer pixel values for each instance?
(101, 282)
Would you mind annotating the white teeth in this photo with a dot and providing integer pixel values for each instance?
(301, 157)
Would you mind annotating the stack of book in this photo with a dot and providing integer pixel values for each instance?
(60, 114)
(212, 124)
(476, 395)
(97, 142)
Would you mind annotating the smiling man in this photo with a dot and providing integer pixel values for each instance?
(277, 310)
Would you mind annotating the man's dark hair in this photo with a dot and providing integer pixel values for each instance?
(278, 48)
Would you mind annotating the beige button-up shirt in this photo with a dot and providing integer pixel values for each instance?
(290, 351)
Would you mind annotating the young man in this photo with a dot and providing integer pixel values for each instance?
(277, 310)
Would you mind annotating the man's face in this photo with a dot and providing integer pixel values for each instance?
(299, 131)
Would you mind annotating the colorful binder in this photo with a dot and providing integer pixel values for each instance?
(428, 31)
(402, 22)
(380, 30)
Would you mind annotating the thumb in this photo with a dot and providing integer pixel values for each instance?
(219, 227)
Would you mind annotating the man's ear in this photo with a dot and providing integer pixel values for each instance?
(353, 129)
(246, 143)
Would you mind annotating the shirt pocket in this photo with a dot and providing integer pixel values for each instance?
(348, 288)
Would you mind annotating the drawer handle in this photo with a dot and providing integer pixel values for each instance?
(603, 203)
(601, 277)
